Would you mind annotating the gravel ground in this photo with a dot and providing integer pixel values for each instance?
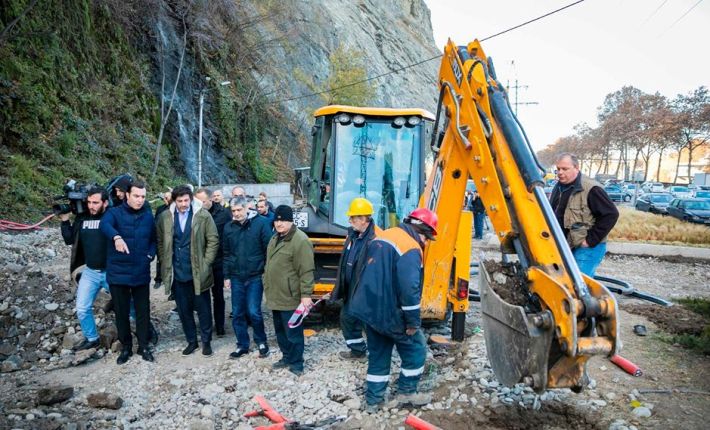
(205, 393)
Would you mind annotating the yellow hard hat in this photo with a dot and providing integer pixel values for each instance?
(360, 206)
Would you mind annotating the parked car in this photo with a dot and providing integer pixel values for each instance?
(656, 203)
(630, 188)
(616, 194)
(691, 210)
(652, 187)
(679, 192)
(702, 195)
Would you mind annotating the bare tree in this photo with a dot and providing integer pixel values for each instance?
(694, 118)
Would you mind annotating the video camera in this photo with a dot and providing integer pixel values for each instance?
(74, 199)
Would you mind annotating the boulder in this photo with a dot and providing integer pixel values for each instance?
(104, 400)
(54, 394)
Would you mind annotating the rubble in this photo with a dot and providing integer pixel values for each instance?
(104, 400)
(54, 394)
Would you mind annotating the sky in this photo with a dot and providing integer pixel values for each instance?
(571, 60)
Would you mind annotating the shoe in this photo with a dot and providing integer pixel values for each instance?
(373, 408)
(206, 349)
(124, 356)
(171, 297)
(175, 311)
(191, 347)
(219, 332)
(263, 350)
(157, 284)
(414, 399)
(108, 307)
(296, 371)
(354, 356)
(153, 334)
(238, 353)
(87, 344)
(148, 355)
(640, 330)
(279, 365)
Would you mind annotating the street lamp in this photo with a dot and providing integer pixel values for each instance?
(199, 138)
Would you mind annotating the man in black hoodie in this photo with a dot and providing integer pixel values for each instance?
(220, 216)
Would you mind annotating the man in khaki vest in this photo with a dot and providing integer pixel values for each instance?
(585, 213)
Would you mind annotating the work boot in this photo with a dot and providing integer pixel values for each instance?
(191, 347)
(124, 356)
(354, 356)
(298, 371)
(220, 332)
(414, 399)
(206, 349)
(87, 344)
(263, 350)
(108, 306)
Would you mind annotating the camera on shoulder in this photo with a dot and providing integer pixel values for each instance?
(74, 199)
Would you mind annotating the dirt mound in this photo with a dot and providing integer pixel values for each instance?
(675, 319)
(507, 283)
(552, 415)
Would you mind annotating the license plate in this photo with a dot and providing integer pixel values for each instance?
(301, 219)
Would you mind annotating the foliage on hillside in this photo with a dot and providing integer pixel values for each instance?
(74, 103)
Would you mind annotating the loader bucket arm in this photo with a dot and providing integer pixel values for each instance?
(480, 137)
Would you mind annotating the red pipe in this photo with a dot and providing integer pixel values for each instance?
(626, 365)
(419, 424)
(10, 225)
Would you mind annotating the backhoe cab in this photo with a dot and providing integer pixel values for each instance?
(379, 154)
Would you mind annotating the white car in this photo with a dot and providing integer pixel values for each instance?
(679, 192)
(653, 187)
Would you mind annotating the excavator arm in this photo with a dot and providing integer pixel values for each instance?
(567, 317)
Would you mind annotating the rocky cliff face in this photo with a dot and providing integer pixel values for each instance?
(391, 34)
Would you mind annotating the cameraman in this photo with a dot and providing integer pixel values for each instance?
(88, 248)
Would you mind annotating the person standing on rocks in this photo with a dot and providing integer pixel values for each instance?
(387, 299)
(246, 239)
(361, 232)
(89, 253)
(187, 247)
(476, 206)
(130, 229)
(221, 217)
(288, 283)
(585, 213)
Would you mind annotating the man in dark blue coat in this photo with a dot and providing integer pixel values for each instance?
(130, 230)
(387, 298)
(246, 239)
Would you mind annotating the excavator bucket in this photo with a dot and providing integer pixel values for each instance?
(517, 349)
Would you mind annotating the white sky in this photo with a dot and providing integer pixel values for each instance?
(573, 59)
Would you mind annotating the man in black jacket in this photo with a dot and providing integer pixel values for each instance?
(89, 253)
(245, 242)
(585, 213)
(361, 232)
(221, 217)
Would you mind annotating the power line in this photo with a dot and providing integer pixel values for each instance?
(426, 60)
(682, 16)
(654, 12)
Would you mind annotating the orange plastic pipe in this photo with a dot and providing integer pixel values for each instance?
(419, 424)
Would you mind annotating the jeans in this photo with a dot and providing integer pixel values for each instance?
(218, 299)
(412, 351)
(122, 296)
(478, 218)
(246, 303)
(187, 303)
(89, 285)
(352, 331)
(588, 259)
(290, 340)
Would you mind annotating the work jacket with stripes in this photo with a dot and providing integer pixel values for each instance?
(388, 294)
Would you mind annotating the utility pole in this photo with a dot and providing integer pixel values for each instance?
(515, 102)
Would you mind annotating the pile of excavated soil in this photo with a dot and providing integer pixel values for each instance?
(675, 319)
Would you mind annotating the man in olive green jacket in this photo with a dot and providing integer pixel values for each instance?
(187, 245)
(288, 282)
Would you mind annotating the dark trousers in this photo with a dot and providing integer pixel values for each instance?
(121, 296)
(187, 303)
(246, 304)
(352, 331)
(290, 340)
(478, 218)
(218, 299)
(412, 351)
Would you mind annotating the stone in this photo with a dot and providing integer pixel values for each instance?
(70, 341)
(54, 394)
(7, 349)
(82, 356)
(104, 400)
(206, 411)
(108, 335)
(51, 306)
(642, 412)
(11, 364)
(353, 404)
